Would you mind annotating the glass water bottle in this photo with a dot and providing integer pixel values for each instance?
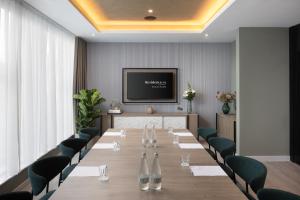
(155, 177)
(144, 173)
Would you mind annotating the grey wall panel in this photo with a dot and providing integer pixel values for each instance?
(263, 86)
(206, 66)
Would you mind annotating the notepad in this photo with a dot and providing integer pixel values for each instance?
(190, 146)
(85, 171)
(112, 134)
(103, 146)
(207, 171)
(188, 134)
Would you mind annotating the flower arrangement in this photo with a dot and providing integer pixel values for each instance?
(226, 97)
(189, 93)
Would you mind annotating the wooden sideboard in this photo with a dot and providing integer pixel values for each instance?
(176, 120)
(225, 125)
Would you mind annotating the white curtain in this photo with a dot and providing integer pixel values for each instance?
(38, 86)
(9, 99)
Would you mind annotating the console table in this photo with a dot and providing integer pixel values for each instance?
(177, 120)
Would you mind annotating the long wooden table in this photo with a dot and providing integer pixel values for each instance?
(178, 183)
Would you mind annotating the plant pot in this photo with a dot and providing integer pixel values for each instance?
(226, 108)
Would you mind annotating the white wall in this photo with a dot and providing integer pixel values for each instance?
(206, 66)
(263, 88)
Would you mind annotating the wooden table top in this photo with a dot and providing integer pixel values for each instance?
(123, 168)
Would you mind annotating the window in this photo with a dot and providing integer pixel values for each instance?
(36, 84)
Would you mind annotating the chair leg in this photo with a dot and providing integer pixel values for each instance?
(79, 156)
(234, 179)
(60, 179)
(216, 156)
(247, 188)
(47, 188)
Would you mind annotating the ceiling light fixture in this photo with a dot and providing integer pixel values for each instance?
(150, 11)
(206, 35)
(150, 18)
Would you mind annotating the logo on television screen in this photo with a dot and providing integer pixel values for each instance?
(157, 84)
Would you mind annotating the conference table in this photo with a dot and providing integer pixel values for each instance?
(178, 183)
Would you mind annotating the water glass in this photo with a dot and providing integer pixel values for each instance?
(185, 160)
(116, 146)
(170, 130)
(103, 173)
(123, 133)
(175, 139)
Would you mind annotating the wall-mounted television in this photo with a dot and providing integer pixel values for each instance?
(149, 85)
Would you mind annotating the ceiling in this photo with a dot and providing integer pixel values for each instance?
(242, 13)
(170, 15)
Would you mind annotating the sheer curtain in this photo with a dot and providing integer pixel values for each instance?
(9, 66)
(36, 69)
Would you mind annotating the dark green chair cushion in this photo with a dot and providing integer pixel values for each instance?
(206, 133)
(16, 196)
(72, 146)
(222, 145)
(273, 194)
(251, 171)
(67, 171)
(48, 195)
(44, 170)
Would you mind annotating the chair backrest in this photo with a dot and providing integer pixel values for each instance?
(273, 194)
(222, 145)
(206, 133)
(44, 170)
(16, 196)
(251, 171)
(70, 147)
(88, 133)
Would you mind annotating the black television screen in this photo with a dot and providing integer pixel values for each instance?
(149, 85)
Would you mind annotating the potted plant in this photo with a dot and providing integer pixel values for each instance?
(88, 109)
(189, 95)
(226, 97)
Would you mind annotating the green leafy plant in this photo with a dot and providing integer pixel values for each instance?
(88, 110)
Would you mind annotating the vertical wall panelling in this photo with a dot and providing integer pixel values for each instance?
(206, 66)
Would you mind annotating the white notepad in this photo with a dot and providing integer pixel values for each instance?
(85, 171)
(103, 146)
(188, 134)
(112, 134)
(207, 171)
(190, 146)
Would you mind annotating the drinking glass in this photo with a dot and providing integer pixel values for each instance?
(123, 133)
(170, 130)
(175, 139)
(116, 146)
(185, 160)
(103, 173)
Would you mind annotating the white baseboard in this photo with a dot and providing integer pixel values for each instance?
(271, 158)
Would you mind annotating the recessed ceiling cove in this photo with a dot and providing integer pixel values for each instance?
(170, 15)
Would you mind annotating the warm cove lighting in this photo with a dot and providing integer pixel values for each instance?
(95, 15)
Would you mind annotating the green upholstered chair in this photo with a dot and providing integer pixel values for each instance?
(41, 172)
(88, 133)
(23, 195)
(69, 148)
(253, 172)
(224, 146)
(206, 133)
(273, 194)
(72, 146)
